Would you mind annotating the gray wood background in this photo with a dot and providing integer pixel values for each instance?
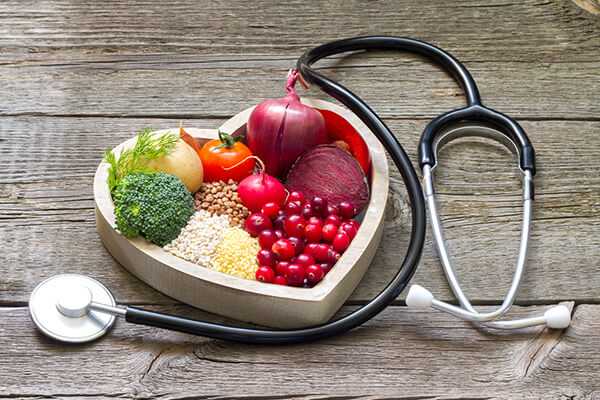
(78, 76)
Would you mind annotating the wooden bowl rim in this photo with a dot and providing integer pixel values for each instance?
(373, 215)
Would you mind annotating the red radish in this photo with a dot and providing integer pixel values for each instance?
(258, 189)
(279, 130)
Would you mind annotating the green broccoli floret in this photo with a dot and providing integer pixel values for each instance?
(156, 205)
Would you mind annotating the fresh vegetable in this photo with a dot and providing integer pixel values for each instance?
(343, 134)
(189, 139)
(184, 163)
(156, 205)
(226, 158)
(327, 174)
(137, 159)
(258, 189)
(279, 130)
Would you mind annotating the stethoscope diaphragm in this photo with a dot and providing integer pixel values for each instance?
(59, 307)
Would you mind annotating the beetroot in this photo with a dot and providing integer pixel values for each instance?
(329, 172)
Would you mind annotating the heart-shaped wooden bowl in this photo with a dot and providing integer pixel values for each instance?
(238, 298)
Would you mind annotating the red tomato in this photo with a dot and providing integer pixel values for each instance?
(226, 152)
(343, 134)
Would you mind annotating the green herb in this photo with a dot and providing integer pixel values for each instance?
(137, 159)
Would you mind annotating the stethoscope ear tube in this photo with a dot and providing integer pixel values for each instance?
(483, 115)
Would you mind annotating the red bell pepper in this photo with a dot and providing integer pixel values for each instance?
(342, 133)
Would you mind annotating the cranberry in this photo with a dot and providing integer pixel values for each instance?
(313, 232)
(295, 275)
(353, 222)
(348, 228)
(316, 221)
(332, 209)
(256, 223)
(307, 211)
(280, 280)
(347, 209)
(333, 257)
(314, 273)
(281, 267)
(283, 249)
(319, 205)
(322, 252)
(265, 274)
(333, 219)
(270, 209)
(325, 267)
(310, 248)
(304, 259)
(294, 225)
(266, 257)
(280, 234)
(293, 207)
(340, 242)
(297, 243)
(278, 221)
(328, 232)
(266, 238)
(298, 196)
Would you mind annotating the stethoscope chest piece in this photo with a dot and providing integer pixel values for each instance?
(59, 307)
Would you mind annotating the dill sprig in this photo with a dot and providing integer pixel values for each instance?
(137, 158)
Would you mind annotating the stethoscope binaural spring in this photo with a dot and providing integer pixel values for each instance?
(75, 308)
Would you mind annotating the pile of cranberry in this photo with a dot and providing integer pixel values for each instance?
(301, 242)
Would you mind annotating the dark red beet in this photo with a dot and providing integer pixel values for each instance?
(329, 172)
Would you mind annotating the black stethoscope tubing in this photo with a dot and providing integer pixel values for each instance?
(413, 186)
(474, 111)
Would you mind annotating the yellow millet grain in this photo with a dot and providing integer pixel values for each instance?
(236, 254)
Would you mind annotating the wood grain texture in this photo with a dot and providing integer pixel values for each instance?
(47, 220)
(383, 359)
(151, 59)
(78, 76)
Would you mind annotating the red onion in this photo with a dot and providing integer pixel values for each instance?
(279, 130)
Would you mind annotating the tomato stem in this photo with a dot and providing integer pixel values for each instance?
(227, 141)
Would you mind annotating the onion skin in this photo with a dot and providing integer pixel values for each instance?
(279, 130)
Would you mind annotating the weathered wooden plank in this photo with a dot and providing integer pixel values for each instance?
(395, 86)
(95, 59)
(383, 358)
(47, 221)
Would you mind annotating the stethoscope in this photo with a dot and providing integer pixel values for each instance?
(75, 308)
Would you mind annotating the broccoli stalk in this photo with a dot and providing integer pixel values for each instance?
(156, 205)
